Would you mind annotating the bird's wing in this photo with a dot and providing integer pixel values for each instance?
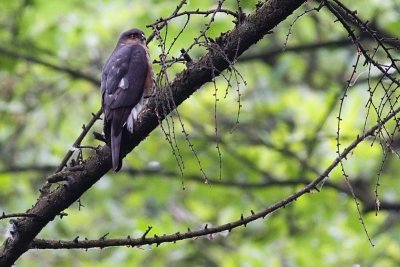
(123, 79)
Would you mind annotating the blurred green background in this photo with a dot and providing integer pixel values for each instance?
(51, 55)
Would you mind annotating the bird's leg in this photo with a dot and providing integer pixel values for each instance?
(140, 116)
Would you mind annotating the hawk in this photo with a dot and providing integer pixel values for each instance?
(127, 78)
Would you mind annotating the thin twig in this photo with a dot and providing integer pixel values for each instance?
(72, 72)
(17, 215)
(78, 141)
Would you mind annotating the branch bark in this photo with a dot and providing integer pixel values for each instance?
(52, 202)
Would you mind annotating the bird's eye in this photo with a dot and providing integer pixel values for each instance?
(132, 36)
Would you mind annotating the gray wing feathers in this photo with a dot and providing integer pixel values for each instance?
(122, 86)
(124, 75)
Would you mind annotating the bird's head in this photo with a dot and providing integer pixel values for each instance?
(133, 36)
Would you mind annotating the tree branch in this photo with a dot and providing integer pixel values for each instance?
(16, 215)
(265, 182)
(73, 73)
(267, 56)
(85, 130)
(207, 231)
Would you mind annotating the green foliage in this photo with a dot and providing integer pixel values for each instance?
(288, 116)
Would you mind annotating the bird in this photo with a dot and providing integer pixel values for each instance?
(126, 83)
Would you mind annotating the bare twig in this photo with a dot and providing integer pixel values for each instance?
(78, 141)
(17, 215)
(72, 72)
(159, 27)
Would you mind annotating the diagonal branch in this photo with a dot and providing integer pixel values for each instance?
(228, 47)
(85, 130)
(72, 72)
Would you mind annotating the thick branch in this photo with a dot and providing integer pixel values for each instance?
(232, 44)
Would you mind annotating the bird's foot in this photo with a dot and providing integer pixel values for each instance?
(141, 115)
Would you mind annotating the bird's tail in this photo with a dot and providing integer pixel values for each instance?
(116, 149)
